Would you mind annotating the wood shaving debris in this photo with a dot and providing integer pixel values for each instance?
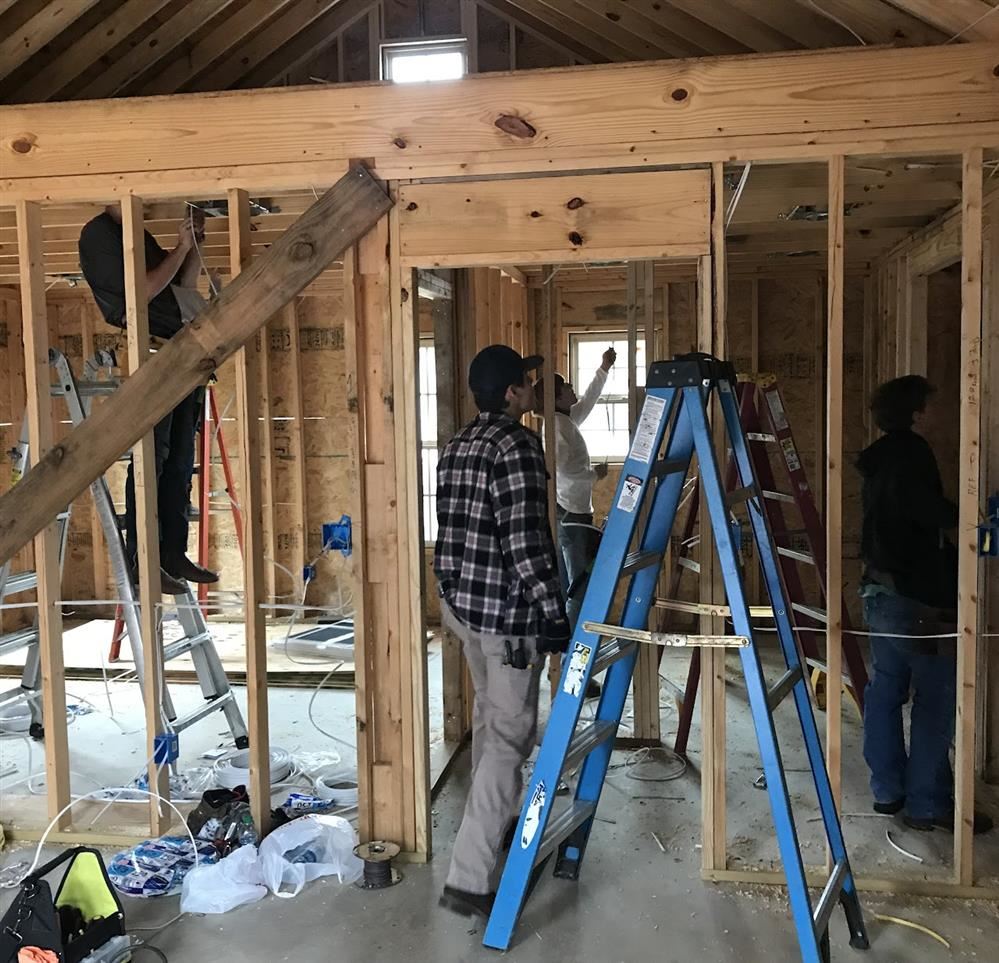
(659, 842)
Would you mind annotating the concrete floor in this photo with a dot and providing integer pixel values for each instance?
(633, 902)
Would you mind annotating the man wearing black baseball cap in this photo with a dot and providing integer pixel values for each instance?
(501, 595)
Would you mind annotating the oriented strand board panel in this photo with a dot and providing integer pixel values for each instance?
(542, 219)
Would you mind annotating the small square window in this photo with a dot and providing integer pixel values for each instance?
(409, 63)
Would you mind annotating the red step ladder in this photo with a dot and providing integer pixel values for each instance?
(764, 419)
(208, 436)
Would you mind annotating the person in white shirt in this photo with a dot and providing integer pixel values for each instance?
(574, 477)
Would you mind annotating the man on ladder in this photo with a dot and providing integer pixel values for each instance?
(501, 595)
(574, 477)
(171, 281)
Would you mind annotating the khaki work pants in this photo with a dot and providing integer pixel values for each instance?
(504, 729)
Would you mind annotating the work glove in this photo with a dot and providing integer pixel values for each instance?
(555, 635)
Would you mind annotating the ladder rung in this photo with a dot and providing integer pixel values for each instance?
(664, 467)
(563, 825)
(716, 611)
(671, 639)
(17, 640)
(827, 901)
(211, 705)
(689, 563)
(783, 686)
(176, 649)
(610, 652)
(779, 497)
(740, 495)
(20, 582)
(761, 436)
(636, 561)
(797, 556)
(811, 612)
(586, 740)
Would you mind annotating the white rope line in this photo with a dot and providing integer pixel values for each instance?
(974, 23)
(835, 19)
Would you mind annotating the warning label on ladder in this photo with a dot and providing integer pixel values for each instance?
(631, 490)
(648, 426)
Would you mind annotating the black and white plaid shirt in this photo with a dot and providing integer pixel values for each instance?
(495, 557)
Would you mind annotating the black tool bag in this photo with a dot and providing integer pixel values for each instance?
(84, 915)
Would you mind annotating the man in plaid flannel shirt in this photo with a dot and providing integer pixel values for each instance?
(501, 595)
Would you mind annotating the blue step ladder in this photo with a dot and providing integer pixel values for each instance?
(677, 399)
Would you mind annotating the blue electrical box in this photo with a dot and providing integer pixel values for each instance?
(988, 531)
(166, 748)
(337, 536)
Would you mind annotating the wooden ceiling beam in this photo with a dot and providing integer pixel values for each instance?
(636, 47)
(307, 44)
(564, 43)
(142, 58)
(758, 35)
(693, 29)
(249, 55)
(568, 27)
(211, 48)
(804, 24)
(879, 22)
(93, 45)
(28, 39)
(655, 28)
(973, 19)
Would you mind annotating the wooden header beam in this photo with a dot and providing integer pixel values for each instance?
(764, 107)
(336, 221)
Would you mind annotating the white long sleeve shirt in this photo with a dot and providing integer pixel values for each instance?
(573, 474)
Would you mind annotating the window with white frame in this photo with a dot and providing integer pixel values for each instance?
(424, 60)
(606, 429)
(428, 436)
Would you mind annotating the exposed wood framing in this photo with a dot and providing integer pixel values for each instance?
(98, 547)
(297, 258)
(550, 298)
(968, 506)
(390, 669)
(268, 475)
(44, 26)
(834, 481)
(299, 476)
(903, 100)
(577, 218)
(248, 363)
(146, 513)
(34, 330)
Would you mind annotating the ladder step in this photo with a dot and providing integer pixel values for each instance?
(779, 497)
(671, 639)
(797, 556)
(689, 563)
(610, 652)
(14, 641)
(671, 467)
(636, 561)
(783, 686)
(586, 740)
(563, 825)
(174, 650)
(20, 582)
(761, 436)
(211, 705)
(827, 901)
(740, 495)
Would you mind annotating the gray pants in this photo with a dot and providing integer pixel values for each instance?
(578, 542)
(504, 728)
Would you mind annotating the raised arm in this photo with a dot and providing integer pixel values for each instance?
(580, 411)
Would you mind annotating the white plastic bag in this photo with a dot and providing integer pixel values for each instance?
(231, 882)
(305, 849)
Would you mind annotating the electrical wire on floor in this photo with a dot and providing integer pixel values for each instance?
(643, 757)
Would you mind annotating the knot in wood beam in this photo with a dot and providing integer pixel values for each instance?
(515, 126)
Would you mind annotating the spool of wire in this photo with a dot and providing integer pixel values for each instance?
(234, 770)
(377, 857)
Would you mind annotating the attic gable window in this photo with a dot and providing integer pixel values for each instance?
(424, 60)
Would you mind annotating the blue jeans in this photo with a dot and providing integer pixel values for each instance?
(577, 542)
(922, 777)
